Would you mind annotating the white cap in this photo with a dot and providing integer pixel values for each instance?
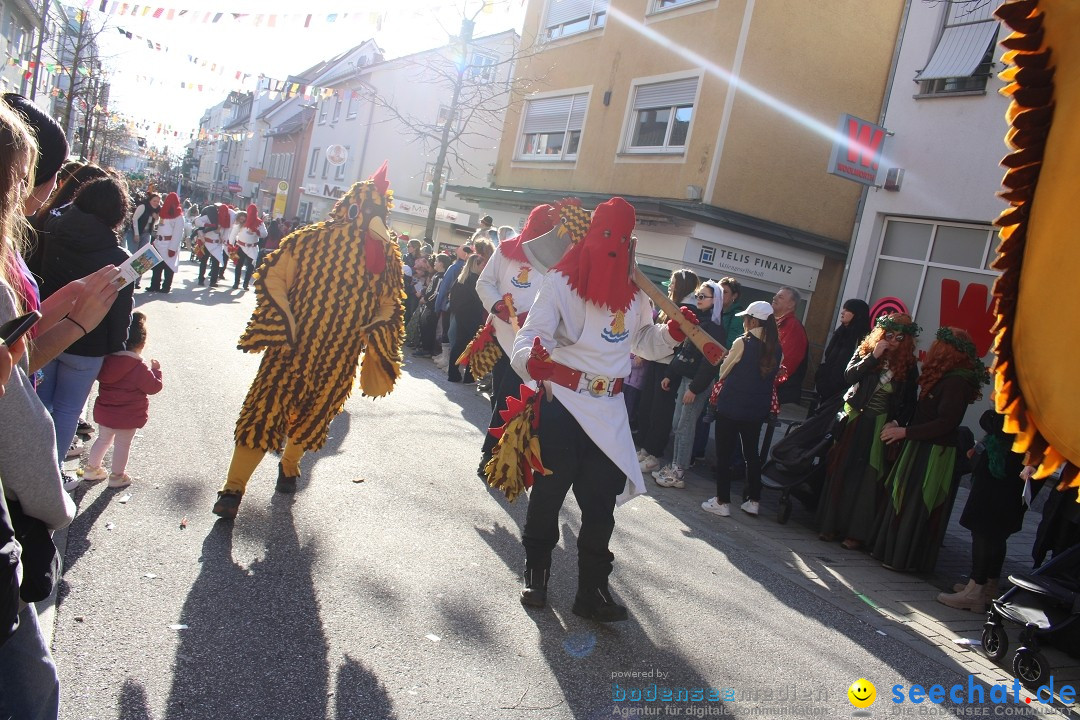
(758, 309)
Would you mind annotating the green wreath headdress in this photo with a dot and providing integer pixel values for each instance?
(946, 335)
(886, 322)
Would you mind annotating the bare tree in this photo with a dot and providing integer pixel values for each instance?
(87, 90)
(113, 140)
(481, 87)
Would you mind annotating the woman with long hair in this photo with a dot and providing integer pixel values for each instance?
(853, 328)
(882, 382)
(910, 530)
(468, 312)
(656, 409)
(743, 404)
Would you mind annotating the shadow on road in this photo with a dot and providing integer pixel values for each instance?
(133, 703)
(254, 642)
(78, 537)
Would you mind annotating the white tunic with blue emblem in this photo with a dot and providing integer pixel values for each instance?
(596, 341)
(502, 275)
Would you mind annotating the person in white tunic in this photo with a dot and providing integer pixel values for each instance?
(509, 273)
(577, 340)
(248, 231)
(170, 233)
(215, 224)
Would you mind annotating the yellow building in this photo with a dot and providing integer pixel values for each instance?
(714, 118)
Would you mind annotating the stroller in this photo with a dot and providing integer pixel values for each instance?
(797, 463)
(1047, 604)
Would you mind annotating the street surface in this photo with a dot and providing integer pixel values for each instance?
(387, 586)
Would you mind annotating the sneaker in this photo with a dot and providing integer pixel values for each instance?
(673, 478)
(716, 507)
(119, 481)
(71, 481)
(94, 474)
(750, 507)
(641, 454)
(441, 361)
(74, 450)
(84, 428)
(649, 463)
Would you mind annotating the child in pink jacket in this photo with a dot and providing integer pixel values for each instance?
(121, 408)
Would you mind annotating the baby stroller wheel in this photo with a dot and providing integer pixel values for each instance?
(784, 513)
(1030, 667)
(995, 642)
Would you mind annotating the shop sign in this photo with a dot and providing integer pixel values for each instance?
(333, 192)
(857, 150)
(747, 264)
(407, 207)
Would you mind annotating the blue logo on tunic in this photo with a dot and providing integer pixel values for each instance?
(617, 331)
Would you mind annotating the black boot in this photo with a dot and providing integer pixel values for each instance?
(481, 472)
(597, 604)
(534, 594)
(227, 505)
(285, 484)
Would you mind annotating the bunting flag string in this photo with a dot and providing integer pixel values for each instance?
(269, 20)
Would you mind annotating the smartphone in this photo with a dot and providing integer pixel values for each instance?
(12, 330)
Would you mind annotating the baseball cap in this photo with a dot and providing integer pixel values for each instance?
(758, 309)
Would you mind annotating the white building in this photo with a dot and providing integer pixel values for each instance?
(20, 19)
(926, 246)
(379, 112)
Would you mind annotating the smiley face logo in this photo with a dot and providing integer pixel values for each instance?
(862, 693)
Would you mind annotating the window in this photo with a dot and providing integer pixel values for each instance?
(552, 128)
(314, 162)
(569, 17)
(339, 171)
(288, 166)
(964, 57)
(483, 67)
(660, 121)
(322, 112)
(659, 5)
(354, 102)
(325, 168)
(337, 107)
(444, 115)
(429, 177)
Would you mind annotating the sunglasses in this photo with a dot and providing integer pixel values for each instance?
(898, 337)
(702, 296)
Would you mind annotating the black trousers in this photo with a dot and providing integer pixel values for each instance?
(576, 462)
(161, 278)
(504, 383)
(243, 262)
(987, 556)
(215, 268)
(730, 434)
(656, 410)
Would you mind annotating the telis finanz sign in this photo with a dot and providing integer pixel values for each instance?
(857, 150)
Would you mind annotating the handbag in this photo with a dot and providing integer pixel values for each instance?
(40, 559)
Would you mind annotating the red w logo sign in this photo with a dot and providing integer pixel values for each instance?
(974, 312)
(864, 142)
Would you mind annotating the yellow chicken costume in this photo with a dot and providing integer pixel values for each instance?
(1037, 387)
(329, 296)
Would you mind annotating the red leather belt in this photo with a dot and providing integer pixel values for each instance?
(582, 382)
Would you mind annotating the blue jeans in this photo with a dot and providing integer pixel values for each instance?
(685, 423)
(29, 685)
(63, 391)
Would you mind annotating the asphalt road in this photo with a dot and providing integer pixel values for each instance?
(387, 586)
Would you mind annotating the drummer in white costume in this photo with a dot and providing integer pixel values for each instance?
(248, 231)
(509, 272)
(215, 225)
(587, 319)
(170, 233)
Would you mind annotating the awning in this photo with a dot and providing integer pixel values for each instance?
(960, 50)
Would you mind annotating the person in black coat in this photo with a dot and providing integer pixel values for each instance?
(80, 241)
(854, 326)
(469, 314)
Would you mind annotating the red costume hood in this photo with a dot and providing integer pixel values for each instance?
(600, 267)
(171, 207)
(252, 222)
(541, 220)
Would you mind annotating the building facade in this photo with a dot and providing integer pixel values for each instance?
(714, 118)
(926, 245)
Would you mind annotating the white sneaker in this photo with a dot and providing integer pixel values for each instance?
(750, 507)
(641, 454)
(74, 450)
(94, 474)
(716, 508)
(671, 476)
(441, 361)
(649, 463)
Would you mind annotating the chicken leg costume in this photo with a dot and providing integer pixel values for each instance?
(331, 294)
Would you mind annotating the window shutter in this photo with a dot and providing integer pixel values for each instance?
(960, 51)
(548, 115)
(577, 113)
(669, 94)
(562, 11)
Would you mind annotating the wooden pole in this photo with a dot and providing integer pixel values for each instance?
(713, 351)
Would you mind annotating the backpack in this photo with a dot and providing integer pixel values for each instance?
(10, 554)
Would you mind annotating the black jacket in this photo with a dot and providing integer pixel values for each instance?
(690, 363)
(78, 244)
(829, 379)
(863, 374)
